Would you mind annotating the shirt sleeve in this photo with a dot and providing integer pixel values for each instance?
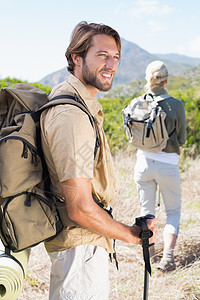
(181, 124)
(71, 139)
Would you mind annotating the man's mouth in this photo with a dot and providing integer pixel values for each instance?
(107, 75)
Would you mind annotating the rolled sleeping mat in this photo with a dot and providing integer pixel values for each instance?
(13, 269)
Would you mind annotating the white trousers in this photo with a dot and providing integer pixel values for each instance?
(149, 173)
(80, 273)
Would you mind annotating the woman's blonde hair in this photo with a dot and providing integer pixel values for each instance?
(156, 74)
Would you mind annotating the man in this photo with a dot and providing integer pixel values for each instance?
(79, 253)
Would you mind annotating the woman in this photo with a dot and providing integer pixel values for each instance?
(161, 168)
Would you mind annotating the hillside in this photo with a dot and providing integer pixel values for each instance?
(188, 80)
(193, 75)
(181, 59)
(132, 67)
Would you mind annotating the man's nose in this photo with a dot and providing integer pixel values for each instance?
(111, 63)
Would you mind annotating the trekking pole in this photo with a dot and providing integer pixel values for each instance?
(145, 234)
(158, 197)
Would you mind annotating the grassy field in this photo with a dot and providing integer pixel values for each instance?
(184, 282)
(127, 282)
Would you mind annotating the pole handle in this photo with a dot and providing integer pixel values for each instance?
(145, 235)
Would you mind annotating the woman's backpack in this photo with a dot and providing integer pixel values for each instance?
(144, 123)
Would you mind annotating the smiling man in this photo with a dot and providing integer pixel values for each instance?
(99, 67)
(81, 171)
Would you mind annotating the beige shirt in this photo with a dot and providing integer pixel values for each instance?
(68, 141)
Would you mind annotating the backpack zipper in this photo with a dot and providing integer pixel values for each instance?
(27, 202)
(26, 146)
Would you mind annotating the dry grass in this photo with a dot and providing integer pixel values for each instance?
(127, 283)
(184, 282)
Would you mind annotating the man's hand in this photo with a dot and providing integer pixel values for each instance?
(151, 223)
(82, 209)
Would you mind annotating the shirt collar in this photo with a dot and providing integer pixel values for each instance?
(91, 102)
(158, 91)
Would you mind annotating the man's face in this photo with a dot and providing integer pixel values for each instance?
(100, 64)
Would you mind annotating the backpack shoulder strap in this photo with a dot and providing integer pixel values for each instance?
(156, 98)
(148, 95)
(71, 99)
(162, 97)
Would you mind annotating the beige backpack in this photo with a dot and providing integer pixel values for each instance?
(144, 123)
(28, 213)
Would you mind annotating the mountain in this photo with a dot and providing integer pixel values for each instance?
(190, 79)
(193, 75)
(182, 59)
(134, 61)
(55, 77)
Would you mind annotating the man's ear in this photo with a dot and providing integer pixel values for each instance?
(76, 59)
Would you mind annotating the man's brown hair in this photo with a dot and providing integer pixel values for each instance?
(81, 40)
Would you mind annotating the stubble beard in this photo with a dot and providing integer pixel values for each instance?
(90, 78)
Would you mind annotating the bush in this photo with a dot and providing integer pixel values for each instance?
(113, 123)
(10, 82)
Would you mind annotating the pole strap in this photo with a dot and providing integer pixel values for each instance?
(145, 235)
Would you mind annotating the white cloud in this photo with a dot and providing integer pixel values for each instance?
(194, 46)
(166, 9)
(191, 48)
(155, 27)
(153, 7)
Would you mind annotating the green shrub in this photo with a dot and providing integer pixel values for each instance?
(178, 87)
(113, 123)
(10, 82)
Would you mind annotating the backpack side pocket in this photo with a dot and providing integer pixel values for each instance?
(28, 219)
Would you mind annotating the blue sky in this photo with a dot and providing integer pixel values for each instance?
(35, 34)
